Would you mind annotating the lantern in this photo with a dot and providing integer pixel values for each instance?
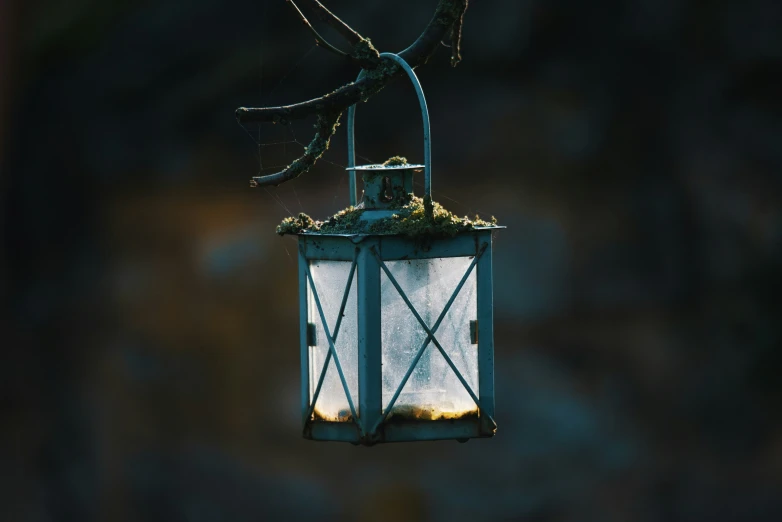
(396, 330)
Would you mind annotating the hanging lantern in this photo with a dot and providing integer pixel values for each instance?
(396, 312)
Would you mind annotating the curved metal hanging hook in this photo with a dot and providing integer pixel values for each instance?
(427, 136)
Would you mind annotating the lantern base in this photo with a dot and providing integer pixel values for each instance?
(459, 429)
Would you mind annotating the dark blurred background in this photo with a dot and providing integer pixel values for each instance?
(149, 366)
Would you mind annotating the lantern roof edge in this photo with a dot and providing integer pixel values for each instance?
(380, 234)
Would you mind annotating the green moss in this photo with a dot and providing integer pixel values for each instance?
(343, 222)
(395, 161)
(400, 201)
(409, 220)
(295, 225)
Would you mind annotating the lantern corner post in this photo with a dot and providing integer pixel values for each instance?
(369, 341)
(485, 327)
(304, 337)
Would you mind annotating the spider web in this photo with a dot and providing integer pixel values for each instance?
(277, 146)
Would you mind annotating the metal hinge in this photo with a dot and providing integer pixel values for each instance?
(312, 335)
(474, 331)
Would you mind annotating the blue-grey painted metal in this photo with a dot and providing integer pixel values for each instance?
(485, 326)
(337, 431)
(459, 429)
(424, 115)
(328, 248)
(305, 349)
(412, 431)
(370, 378)
(340, 247)
(352, 147)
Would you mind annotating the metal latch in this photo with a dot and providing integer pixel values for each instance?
(312, 335)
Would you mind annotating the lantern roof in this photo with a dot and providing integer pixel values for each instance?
(383, 166)
(394, 163)
(405, 216)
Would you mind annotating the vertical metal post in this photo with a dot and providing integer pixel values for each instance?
(370, 378)
(352, 147)
(485, 300)
(303, 320)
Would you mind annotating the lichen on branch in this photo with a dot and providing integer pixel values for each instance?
(364, 52)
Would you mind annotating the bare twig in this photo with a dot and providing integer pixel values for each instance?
(338, 100)
(362, 52)
(446, 14)
(329, 107)
(324, 15)
(318, 38)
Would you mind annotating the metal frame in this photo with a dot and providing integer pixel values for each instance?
(367, 255)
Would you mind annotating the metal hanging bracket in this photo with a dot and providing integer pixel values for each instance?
(385, 170)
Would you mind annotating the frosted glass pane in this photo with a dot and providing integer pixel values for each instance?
(330, 279)
(433, 391)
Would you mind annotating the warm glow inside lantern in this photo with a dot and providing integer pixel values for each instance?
(396, 314)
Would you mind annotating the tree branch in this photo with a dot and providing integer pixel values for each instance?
(445, 16)
(326, 126)
(324, 15)
(338, 100)
(318, 38)
(448, 16)
(362, 51)
(456, 39)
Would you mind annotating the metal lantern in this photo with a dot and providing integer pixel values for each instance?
(396, 333)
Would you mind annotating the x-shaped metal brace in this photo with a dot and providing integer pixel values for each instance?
(430, 337)
(332, 339)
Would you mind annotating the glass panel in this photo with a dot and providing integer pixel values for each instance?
(330, 279)
(433, 391)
